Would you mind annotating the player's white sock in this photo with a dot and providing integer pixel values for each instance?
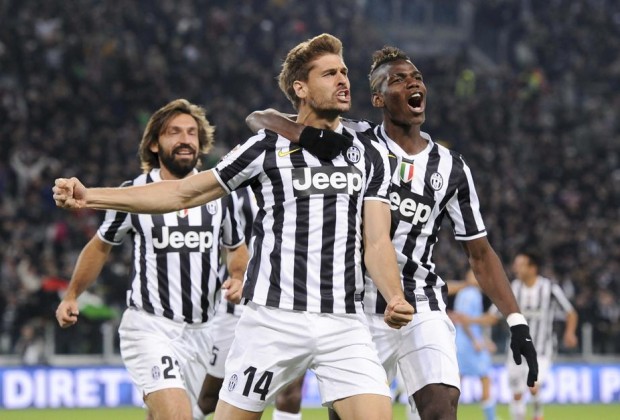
(412, 413)
(517, 409)
(283, 415)
(537, 406)
(197, 413)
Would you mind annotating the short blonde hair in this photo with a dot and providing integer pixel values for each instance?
(158, 123)
(296, 66)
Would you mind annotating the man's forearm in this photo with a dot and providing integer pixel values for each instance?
(380, 260)
(274, 120)
(157, 197)
(379, 253)
(237, 261)
(571, 322)
(494, 283)
(88, 267)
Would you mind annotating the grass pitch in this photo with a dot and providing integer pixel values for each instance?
(466, 412)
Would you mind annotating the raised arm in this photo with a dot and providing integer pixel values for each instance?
(154, 198)
(275, 120)
(324, 144)
(380, 260)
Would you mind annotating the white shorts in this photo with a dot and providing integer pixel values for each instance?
(223, 325)
(517, 374)
(160, 353)
(425, 350)
(273, 347)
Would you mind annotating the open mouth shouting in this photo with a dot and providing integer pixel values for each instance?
(343, 95)
(416, 102)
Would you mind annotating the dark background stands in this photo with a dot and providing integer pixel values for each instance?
(529, 93)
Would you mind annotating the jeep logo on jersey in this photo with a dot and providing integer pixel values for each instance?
(410, 207)
(324, 180)
(181, 239)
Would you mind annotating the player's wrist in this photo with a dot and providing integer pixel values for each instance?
(396, 298)
(70, 296)
(324, 144)
(516, 318)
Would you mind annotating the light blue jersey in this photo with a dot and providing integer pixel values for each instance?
(471, 361)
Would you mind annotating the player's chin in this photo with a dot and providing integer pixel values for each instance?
(339, 107)
(344, 106)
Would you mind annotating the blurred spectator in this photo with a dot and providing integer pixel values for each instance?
(540, 126)
(606, 322)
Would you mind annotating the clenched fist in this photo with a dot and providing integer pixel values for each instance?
(69, 193)
(398, 313)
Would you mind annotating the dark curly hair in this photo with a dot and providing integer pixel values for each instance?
(380, 57)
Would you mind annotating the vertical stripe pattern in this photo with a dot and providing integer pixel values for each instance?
(540, 304)
(306, 252)
(425, 188)
(176, 256)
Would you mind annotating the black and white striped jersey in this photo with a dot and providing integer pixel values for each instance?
(246, 202)
(425, 188)
(540, 304)
(176, 255)
(306, 253)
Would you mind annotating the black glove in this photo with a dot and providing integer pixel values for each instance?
(324, 144)
(521, 344)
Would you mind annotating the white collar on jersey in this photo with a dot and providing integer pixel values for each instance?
(392, 145)
(156, 173)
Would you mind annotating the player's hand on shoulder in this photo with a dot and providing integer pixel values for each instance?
(324, 144)
(398, 313)
(69, 193)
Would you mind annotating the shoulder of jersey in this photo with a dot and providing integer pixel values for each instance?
(362, 136)
(127, 183)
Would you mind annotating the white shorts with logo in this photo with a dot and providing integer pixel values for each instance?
(517, 374)
(223, 325)
(424, 350)
(160, 353)
(273, 347)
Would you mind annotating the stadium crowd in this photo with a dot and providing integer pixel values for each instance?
(540, 128)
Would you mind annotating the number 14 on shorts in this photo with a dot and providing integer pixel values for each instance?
(261, 387)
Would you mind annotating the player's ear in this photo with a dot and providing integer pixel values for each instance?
(377, 100)
(154, 147)
(300, 88)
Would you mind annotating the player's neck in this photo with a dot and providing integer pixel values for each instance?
(408, 137)
(308, 116)
(166, 175)
(530, 280)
